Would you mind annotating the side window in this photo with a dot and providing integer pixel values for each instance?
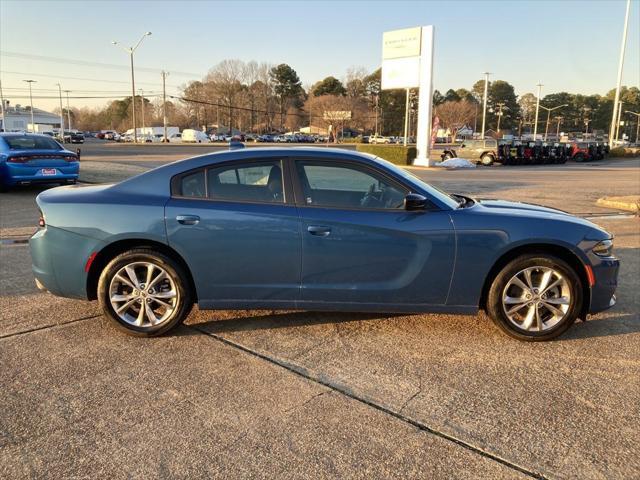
(248, 182)
(192, 185)
(345, 186)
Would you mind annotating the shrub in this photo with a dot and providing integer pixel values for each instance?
(398, 154)
(624, 152)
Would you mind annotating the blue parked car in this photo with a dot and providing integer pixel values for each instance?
(27, 158)
(315, 229)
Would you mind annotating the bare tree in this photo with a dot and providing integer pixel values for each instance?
(225, 82)
(455, 115)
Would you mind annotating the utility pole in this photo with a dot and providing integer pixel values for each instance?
(484, 102)
(586, 125)
(559, 119)
(375, 108)
(535, 124)
(31, 100)
(4, 118)
(142, 109)
(68, 111)
(626, 111)
(130, 51)
(500, 106)
(61, 115)
(616, 116)
(164, 104)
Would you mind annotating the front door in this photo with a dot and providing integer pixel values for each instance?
(361, 247)
(239, 232)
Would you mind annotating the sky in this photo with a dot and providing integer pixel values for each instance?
(569, 46)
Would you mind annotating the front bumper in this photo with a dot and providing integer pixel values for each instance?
(605, 271)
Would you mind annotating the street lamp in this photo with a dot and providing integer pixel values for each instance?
(61, 113)
(484, 102)
(130, 51)
(535, 124)
(31, 100)
(549, 110)
(637, 122)
(559, 119)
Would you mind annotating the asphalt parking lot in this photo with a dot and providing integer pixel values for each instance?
(322, 395)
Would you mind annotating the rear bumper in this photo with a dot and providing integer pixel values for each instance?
(58, 259)
(605, 271)
(20, 174)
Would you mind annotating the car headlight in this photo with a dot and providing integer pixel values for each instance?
(604, 248)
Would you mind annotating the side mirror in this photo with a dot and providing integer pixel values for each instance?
(415, 201)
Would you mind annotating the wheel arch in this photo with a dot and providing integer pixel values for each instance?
(559, 251)
(104, 256)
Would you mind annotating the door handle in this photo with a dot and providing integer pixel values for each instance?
(319, 231)
(188, 219)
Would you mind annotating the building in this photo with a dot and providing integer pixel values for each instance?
(18, 118)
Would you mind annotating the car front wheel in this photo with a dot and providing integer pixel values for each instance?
(487, 159)
(144, 292)
(535, 297)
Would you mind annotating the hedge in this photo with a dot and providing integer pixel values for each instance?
(624, 152)
(398, 154)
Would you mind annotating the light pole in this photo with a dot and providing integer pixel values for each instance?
(535, 124)
(637, 122)
(549, 110)
(61, 114)
(484, 102)
(130, 51)
(618, 122)
(68, 111)
(616, 115)
(2, 108)
(164, 105)
(31, 100)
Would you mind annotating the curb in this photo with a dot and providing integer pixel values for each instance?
(620, 203)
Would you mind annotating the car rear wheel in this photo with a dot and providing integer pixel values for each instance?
(145, 293)
(535, 297)
(487, 159)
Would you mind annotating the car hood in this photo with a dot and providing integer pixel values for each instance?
(503, 207)
(502, 204)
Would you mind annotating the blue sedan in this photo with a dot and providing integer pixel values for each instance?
(27, 158)
(315, 229)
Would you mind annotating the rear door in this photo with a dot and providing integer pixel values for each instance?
(238, 229)
(361, 247)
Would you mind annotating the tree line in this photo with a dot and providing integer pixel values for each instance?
(261, 98)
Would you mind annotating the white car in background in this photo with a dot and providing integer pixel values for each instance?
(379, 139)
(173, 138)
(194, 136)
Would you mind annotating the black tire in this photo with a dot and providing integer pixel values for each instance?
(497, 312)
(487, 159)
(171, 267)
(579, 157)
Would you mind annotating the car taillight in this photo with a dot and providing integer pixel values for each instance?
(71, 157)
(18, 159)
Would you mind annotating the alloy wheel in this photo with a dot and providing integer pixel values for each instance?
(536, 299)
(143, 294)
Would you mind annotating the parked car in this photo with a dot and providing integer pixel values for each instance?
(76, 137)
(379, 139)
(194, 136)
(265, 138)
(480, 151)
(315, 229)
(27, 158)
(173, 138)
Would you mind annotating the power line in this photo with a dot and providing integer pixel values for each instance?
(81, 79)
(55, 97)
(86, 63)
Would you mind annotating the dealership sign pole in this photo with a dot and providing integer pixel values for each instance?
(407, 62)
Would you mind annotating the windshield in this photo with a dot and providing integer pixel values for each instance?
(430, 189)
(31, 142)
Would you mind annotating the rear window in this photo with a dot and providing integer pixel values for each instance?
(29, 142)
